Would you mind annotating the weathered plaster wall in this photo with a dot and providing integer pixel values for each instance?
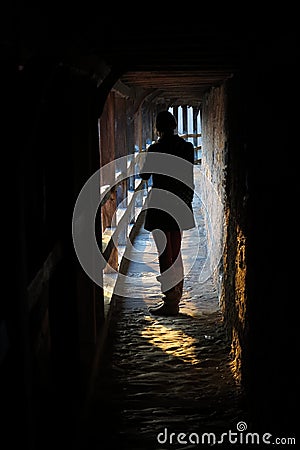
(223, 191)
(213, 167)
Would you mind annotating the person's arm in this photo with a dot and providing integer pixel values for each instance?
(190, 153)
(145, 172)
(190, 157)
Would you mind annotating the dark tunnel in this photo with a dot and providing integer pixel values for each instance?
(82, 363)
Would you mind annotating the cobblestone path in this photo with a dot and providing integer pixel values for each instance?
(163, 375)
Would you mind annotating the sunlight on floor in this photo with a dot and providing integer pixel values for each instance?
(174, 342)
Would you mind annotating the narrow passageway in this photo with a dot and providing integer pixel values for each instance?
(164, 375)
(82, 369)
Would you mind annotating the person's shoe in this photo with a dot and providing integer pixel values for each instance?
(167, 308)
(173, 293)
(170, 305)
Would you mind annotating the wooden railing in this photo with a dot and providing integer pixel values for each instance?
(114, 238)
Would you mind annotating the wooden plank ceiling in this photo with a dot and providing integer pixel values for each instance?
(176, 59)
(175, 87)
(172, 64)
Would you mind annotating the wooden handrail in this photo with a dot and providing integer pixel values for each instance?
(193, 135)
(123, 221)
(119, 178)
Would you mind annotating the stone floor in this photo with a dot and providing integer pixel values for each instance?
(162, 375)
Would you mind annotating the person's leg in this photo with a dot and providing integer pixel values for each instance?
(168, 247)
(176, 240)
(164, 248)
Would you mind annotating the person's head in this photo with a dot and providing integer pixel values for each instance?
(165, 122)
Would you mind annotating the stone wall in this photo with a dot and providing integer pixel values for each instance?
(213, 167)
(249, 141)
(223, 197)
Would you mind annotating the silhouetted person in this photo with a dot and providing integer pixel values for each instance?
(169, 206)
